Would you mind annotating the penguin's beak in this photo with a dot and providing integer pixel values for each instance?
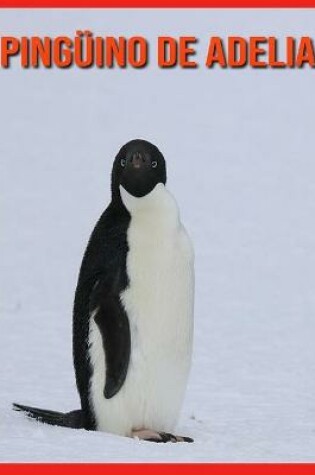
(136, 160)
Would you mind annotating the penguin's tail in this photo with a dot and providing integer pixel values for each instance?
(73, 419)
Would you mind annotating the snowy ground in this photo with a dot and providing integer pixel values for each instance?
(240, 151)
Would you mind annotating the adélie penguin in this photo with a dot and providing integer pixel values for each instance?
(133, 309)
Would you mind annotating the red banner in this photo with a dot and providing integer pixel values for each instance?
(157, 3)
(158, 469)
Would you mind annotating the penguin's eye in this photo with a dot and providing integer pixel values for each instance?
(123, 162)
(154, 164)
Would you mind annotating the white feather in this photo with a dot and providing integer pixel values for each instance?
(159, 305)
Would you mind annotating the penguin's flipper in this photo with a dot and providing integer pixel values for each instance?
(73, 419)
(112, 321)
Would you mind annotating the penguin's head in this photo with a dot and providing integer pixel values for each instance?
(138, 167)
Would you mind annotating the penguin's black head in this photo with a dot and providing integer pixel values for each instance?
(139, 166)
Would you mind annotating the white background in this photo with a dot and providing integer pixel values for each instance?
(240, 151)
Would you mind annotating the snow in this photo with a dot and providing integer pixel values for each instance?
(240, 152)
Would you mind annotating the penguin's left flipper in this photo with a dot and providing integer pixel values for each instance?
(160, 437)
(113, 324)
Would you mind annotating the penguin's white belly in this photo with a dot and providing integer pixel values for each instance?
(159, 305)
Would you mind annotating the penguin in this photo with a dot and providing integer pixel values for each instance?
(133, 308)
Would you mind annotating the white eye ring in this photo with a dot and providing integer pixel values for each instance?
(123, 162)
(154, 164)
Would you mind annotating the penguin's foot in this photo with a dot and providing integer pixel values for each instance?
(153, 436)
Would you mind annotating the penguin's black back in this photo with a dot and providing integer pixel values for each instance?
(104, 262)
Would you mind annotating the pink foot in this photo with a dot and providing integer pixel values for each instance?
(154, 436)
